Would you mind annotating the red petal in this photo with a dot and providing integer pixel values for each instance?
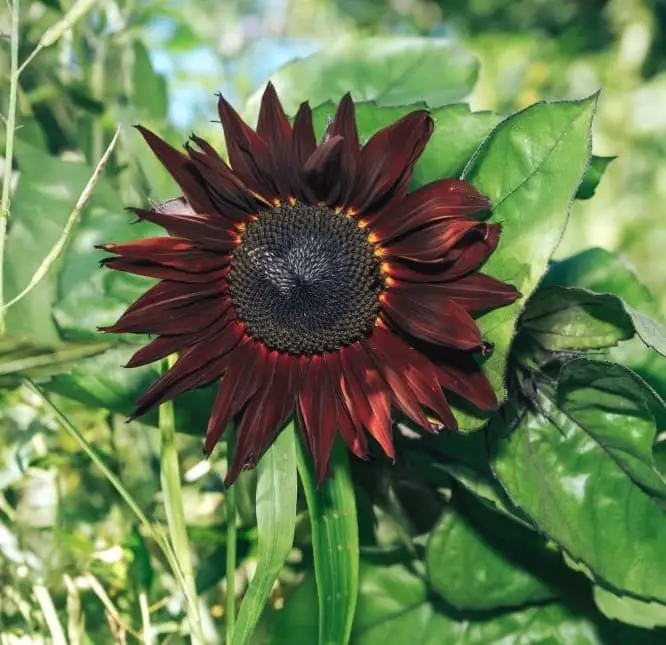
(248, 152)
(442, 199)
(317, 405)
(180, 167)
(163, 346)
(273, 125)
(478, 292)
(154, 270)
(197, 366)
(208, 232)
(425, 314)
(350, 427)
(172, 308)
(367, 395)
(226, 191)
(321, 172)
(243, 378)
(152, 247)
(470, 257)
(415, 378)
(266, 413)
(432, 243)
(344, 125)
(387, 159)
(460, 373)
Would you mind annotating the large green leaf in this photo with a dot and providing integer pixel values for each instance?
(47, 191)
(277, 489)
(581, 466)
(396, 606)
(605, 272)
(565, 318)
(389, 70)
(629, 610)
(477, 567)
(530, 167)
(332, 511)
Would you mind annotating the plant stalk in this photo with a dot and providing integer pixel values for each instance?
(230, 507)
(10, 131)
(175, 514)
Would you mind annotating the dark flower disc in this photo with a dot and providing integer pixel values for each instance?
(306, 280)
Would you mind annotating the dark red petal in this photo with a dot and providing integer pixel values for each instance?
(321, 172)
(266, 413)
(386, 161)
(248, 152)
(425, 314)
(460, 373)
(243, 378)
(273, 125)
(344, 125)
(227, 192)
(180, 167)
(163, 346)
(433, 242)
(349, 425)
(317, 403)
(469, 257)
(442, 199)
(415, 376)
(172, 308)
(152, 247)
(214, 234)
(154, 270)
(478, 292)
(367, 395)
(197, 366)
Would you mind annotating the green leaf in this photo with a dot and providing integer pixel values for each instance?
(629, 610)
(530, 167)
(47, 191)
(593, 176)
(604, 272)
(476, 567)
(581, 467)
(21, 358)
(149, 88)
(486, 489)
(566, 318)
(389, 70)
(277, 489)
(394, 607)
(332, 511)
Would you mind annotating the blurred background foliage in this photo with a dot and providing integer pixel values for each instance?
(67, 542)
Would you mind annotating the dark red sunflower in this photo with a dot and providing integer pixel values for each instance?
(305, 279)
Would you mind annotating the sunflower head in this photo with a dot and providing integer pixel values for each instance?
(305, 279)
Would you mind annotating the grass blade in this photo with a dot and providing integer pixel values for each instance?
(277, 487)
(332, 511)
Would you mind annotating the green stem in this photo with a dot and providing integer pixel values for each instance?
(10, 131)
(175, 514)
(230, 506)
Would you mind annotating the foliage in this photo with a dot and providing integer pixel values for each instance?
(540, 523)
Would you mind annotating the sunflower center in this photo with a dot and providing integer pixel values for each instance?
(305, 279)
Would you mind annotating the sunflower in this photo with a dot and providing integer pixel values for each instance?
(306, 279)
